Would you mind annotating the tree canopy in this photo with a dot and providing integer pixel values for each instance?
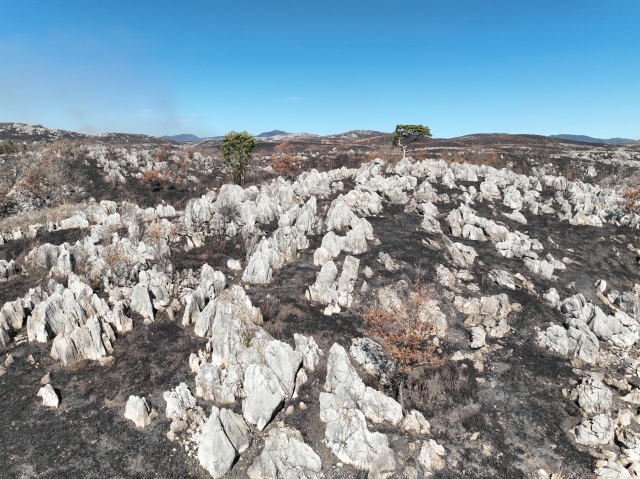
(236, 148)
(406, 134)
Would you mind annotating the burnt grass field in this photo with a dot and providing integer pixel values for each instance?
(499, 412)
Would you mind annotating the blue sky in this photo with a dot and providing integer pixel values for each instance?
(207, 67)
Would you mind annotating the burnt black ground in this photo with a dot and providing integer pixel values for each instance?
(88, 437)
(517, 407)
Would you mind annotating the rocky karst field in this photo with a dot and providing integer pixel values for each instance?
(159, 323)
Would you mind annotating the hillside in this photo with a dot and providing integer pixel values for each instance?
(167, 324)
(588, 139)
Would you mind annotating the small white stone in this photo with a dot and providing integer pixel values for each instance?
(49, 396)
(234, 264)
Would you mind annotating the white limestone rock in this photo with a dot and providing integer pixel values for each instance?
(236, 430)
(234, 265)
(592, 396)
(179, 400)
(372, 358)
(216, 453)
(56, 315)
(91, 340)
(595, 432)
(286, 456)
(141, 302)
(347, 280)
(478, 336)
(325, 289)
(461, 255)
(49, 397)
(351, 441)
(431, 457)
(552, 297)
(611, 470)
(344, 382)
(139, 411)
(574, 341)
(264, 395)
(504, 278)
(284, 362)
(309, 350)
(415, 423)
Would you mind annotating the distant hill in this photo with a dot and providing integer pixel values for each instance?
(182, 137)
(190, 137)
(589, 139)
(268, 134)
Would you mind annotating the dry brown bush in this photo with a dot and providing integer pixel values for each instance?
(156, 178)
(406, 332)
(283, 160)
(631, 195)
(160, 154)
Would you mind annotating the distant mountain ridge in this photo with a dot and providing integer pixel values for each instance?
(589, 139)
(182, 137)
(268, 134)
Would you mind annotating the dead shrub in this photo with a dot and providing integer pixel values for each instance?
(283, 160)
(631, 195)
(160, 154)
(284, 165)
(270, 308)
(432, 389)
(406, 333)
(272, 314)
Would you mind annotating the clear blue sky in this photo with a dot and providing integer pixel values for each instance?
(207, 67)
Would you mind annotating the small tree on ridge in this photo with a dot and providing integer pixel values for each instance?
(236, 150)
(405, 134)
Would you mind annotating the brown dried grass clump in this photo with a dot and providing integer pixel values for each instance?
(631, 195)
(476, 157)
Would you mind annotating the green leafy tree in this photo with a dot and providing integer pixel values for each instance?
(236, 150)
(406, 134)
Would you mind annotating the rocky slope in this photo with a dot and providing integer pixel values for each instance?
(223, 336)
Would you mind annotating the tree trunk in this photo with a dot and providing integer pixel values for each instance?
(401, 395)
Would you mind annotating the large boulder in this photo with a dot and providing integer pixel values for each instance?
(91, 340)
(215, 451)
(264, 395)
(141, 302)
(595, 432)
(351, 441)
(592, 396)
(56, 315)
(343, 381)
(574, 341)
(49, 397)
(286, 456)
(373, 359)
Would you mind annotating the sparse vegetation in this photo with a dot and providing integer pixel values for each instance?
(8, 147)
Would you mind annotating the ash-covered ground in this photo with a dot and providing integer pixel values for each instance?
(158, 323)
